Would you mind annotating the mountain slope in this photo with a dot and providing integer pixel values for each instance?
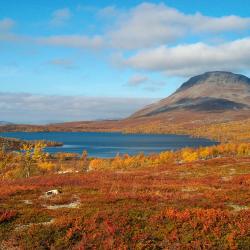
(210, 92)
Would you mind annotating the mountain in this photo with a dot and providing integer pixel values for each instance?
(216, 91)
(210, 98)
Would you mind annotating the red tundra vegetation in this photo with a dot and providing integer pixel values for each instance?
(187, 199)
(203, 204)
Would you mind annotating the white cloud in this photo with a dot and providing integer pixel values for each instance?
(137, 80)
(148, 29)
(144, 26)
(108, 12)
(202, 23)
(145, 83)
(74, 41)
(60, 16)
(191, 59)
(70, 41)
(6, 24)
(39, 108)
(150, 25)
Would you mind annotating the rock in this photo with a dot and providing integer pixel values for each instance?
(68, 171)
(53, 192)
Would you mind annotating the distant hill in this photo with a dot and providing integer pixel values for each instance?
(210, 92)
(4, 123)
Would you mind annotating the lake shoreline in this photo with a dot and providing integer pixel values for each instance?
(108, 145)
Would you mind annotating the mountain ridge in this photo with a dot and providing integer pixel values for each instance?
(214, 91)
(206, 75)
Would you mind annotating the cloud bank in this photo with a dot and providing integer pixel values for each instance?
(72, 41)
(28, 108)
(191, 59)
(149, 25)
(6, 24)
(137, 80)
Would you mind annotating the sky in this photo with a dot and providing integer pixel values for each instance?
(71, 60)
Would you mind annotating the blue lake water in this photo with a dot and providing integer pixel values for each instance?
(109, 144)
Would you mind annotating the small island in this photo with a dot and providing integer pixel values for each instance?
(12, 144)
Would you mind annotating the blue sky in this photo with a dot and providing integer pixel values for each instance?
(106, 55)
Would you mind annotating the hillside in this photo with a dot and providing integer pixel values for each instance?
(210, 92)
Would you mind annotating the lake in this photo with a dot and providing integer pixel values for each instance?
(109, 144)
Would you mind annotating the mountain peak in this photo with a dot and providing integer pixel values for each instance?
(215, 77)
(215, 91)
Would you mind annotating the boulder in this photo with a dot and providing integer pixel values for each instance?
(53, 192)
